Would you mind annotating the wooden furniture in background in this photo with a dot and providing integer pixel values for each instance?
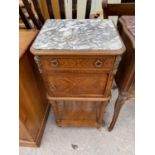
(125, 77)
(35, 12)
(128, 1)
(33, 105)
(38, 11)
(24, 19)
(30, 13)
(117, 9)
(25, 22)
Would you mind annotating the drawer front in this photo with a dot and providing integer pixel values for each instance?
(76, 85)
(73, 62)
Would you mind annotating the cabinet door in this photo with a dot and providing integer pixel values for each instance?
(76, 84)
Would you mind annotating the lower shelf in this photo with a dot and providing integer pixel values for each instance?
(77, 113)
(78, 123)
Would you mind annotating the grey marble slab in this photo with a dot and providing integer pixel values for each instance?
(78, 34)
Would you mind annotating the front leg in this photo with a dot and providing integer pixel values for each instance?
(101, 113)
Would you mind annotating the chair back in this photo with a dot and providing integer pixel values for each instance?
(117, 9)
(37, 18)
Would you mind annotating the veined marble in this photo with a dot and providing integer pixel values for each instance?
(78, 34)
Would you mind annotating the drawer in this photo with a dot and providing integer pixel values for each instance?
(77, 62)
(76, 85)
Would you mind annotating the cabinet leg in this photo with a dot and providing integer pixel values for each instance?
(101, 113)
(118, 105)
(57, 109)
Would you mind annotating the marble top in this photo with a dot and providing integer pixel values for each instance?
(78, 34)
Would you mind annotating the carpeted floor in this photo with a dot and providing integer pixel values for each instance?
(90, 141)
